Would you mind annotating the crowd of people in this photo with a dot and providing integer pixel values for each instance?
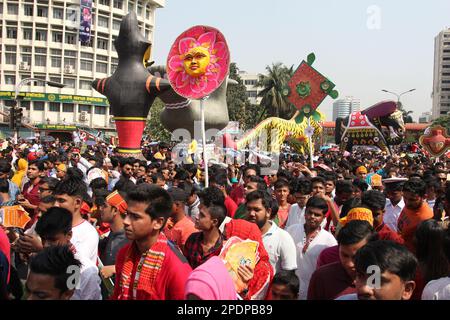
(364, 225)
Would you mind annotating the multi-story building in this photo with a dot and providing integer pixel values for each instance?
(343, 107)
(441, 77)
(425, 117)
(250, 81)
(40, 39)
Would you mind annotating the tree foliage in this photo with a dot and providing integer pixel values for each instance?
(154, 127)
(443, 121)
(274, 103)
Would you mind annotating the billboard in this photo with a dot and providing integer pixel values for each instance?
(85, 20)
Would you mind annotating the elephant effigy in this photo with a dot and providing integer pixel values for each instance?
(380, 125)
(131, 89)
(183, 113)
(276, 131)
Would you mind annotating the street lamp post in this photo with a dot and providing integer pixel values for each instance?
(17, 91)
(398, 95)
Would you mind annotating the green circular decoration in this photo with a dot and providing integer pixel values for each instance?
(325, 86)
(306, 109)
(304, 89)
(51, 97)
(286, 91)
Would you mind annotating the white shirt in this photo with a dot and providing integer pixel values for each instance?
(85, 240)
(89, 286)
(281, 248)
(437, 289)
(392, 213)
(297, 216)
(307, 262)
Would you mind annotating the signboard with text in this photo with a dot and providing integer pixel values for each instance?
(54, 97)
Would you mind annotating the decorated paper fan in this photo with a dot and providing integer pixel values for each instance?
(198, 62)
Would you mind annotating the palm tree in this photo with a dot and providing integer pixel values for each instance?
(407, 118)
(273, 102)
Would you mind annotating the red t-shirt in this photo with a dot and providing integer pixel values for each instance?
(330, 282)
(386, 233)
(179, 232)
(237, 194)
(231, 206)
(327, 256)
(5, 248)
(31, 193)
(170, 281)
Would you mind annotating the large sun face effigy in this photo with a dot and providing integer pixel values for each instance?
(198, 62)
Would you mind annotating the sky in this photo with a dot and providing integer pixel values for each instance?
(362, 46)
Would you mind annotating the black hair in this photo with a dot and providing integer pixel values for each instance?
(157, 176)
(254, 167)
(373, 199)
(125, 161)
(415, 186)
(446, 244)
(318, 179)
(317, 202)
(48, 199)
(39, 164)
(220, 179)
(5, 166)
(281, 183)
(4, 186)
(99, 196)
(212, 196)
(188, 187)
(158, 200)
(217, 212)
(432, 182)
(54, 221)
(388, 256)
(429, 238)
(344, 186)
(124, 185)
(355, 231)
(360, 184)
(50, 181)
(284, 174)
(98, 183)
(266, 199)
(114, 161)
(260, 183)
(349, 205)
(55, 261)
(72, 184)
(302, 186)
(328, 176)
(289, 279)
(190, 168)
(163, 145)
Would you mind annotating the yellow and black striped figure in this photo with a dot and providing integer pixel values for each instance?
(131, 90)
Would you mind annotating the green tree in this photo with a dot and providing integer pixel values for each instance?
(443, 121)
(274, 103)
(239, 107)
(154, 127)
(407, 118)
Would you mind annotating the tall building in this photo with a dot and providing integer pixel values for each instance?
(441, 78)
(343, 107)
(40, 39)
(252, 90)
(425, 117)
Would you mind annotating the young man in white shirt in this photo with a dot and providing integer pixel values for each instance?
(310, 239)
(394, 201)
(302, 190)
(277, 242)
(55, 229)
(69, 194)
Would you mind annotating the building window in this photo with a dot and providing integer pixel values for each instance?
(252, 94)
(55, 79)
(86, 65)
(69, 82)
(147, 13)
(26, 58)
(140, 10)
(118, 4)
(54, 107)
(27, 34)
(103, 22)
(104, 2)
(25, 104)
(130, 6)
(10, 58)
(71, 38)
(56, 62)
(42, 12)
(57, 36)
(41, 35)
(38, 106)
(250, 82)
(84, 107)
(71, 15)
(102, 44)
(28, 10)
(70, 53)
(85, 84)
(446, 66)
(11, 32)
(116, 24)
(58, 13)
(13, 8)
(101, 67)
(69, 62)
(40, 61)
(68, 107)
(10, 79)
(99, 110)
(102, 58)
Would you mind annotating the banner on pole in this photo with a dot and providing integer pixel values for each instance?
(85, 20)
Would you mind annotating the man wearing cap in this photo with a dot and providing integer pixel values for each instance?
(361, 173)
(112, 210)
(179, 227)
(394, 202)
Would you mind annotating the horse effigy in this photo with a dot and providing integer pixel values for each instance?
(380, 125)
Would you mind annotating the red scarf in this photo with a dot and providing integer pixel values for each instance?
(150, 264)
